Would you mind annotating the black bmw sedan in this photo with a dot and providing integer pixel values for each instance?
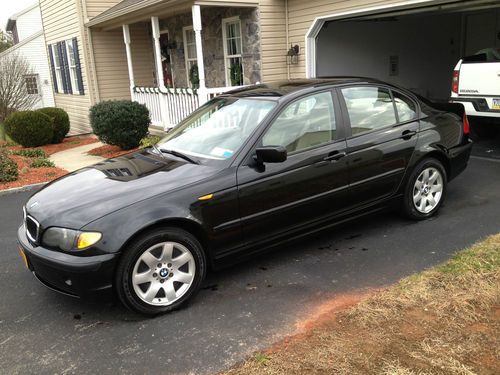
(247, 171)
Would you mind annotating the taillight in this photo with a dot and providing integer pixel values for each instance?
(466, 125)
(454, 81)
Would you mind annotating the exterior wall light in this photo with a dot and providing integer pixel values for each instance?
(292, 56)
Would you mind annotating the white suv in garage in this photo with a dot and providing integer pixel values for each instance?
(476, 84)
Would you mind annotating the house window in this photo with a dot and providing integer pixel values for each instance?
(190, 55)
(233, 63)
(66, 68)
(71, 56)
(57, 66)
(31, 82)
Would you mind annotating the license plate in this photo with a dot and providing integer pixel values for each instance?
(496, 103)
(25, 260)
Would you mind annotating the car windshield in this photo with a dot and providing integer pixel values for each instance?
(218, 129)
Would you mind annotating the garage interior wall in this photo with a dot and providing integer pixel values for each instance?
(424, 48)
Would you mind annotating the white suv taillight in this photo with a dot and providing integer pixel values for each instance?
(454, 81)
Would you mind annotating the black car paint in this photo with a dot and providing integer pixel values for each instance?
(253, 206)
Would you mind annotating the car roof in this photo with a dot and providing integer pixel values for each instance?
(278, 89)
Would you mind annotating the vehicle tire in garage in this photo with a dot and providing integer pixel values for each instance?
(425, 190)
(160, 271)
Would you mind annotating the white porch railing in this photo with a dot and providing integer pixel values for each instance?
(168, 107)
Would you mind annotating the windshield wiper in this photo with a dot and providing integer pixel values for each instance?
(179, 155)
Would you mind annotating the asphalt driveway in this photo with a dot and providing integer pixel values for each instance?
(241, 309)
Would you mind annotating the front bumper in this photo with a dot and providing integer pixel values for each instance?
(459, 157)
(69, 274)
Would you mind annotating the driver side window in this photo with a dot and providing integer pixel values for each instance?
(305, 123)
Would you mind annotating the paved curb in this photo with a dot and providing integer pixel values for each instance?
(22, 188)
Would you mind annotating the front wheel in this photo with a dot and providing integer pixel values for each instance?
(160, 271)
(425, 189)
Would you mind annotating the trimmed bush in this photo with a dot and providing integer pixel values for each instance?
(60, 121)
(149, 141)
(8, 168)
(41, 163)
(120, 123)
(29, 128)
(31, 153)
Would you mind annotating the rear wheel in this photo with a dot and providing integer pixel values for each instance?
(160, 271)
(425, 189)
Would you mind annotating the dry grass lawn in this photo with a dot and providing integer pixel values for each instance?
(442, 321)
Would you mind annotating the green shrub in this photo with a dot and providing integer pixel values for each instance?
(31, 153)
(60, 121)
(149, 141)
(8, 168)
(29, 128)
(41, 163)
(121, 123)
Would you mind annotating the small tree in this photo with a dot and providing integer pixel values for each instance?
(5, 41)
(13, 92)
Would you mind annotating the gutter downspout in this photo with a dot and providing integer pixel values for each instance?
(287, 38)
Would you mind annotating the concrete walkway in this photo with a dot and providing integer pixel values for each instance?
(76, 158)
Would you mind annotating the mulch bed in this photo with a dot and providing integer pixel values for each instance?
(108, 151)
(28, 175)
(67, 143)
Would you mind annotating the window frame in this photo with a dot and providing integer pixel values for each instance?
(415, 103)
(57, 69)
(225, 22)
(345, 112)
(188, 59)
(36, 78)
(340, 129)
(73, 75)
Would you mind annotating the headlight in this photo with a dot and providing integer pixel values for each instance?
(69, 239)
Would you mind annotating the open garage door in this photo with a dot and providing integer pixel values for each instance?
(416, 48)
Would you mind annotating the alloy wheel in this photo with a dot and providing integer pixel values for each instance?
(428, 190)
(163, 273)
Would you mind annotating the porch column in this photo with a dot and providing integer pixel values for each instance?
(159, 70)
(126, 39)
(196, 11)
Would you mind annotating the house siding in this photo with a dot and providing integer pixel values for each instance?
(110, 64)
(301, 15)
(34, 51)
(61, 21)
(96, 7)
(31, 46)
(273, 39)
(29, 23)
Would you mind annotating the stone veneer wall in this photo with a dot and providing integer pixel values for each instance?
(213, 50)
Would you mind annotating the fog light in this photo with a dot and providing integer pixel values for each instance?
(87, 239)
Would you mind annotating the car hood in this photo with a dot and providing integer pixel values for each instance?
(90, 193)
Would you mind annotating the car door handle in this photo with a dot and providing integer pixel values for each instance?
(407, 134)
(334, 156)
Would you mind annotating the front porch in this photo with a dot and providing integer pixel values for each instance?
(179, 60)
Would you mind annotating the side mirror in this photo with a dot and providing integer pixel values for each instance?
(270, 154)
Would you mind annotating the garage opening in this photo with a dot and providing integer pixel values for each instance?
(414, 48)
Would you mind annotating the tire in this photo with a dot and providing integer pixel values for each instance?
(160, 271)
(431, 195)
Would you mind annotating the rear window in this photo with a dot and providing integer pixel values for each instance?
(484, 55)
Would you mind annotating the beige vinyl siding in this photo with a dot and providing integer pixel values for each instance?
(111, 61)
(301, 15)
(96, 7)
(142, 54)
(111, 64)
(273, 39)
(61, 22)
